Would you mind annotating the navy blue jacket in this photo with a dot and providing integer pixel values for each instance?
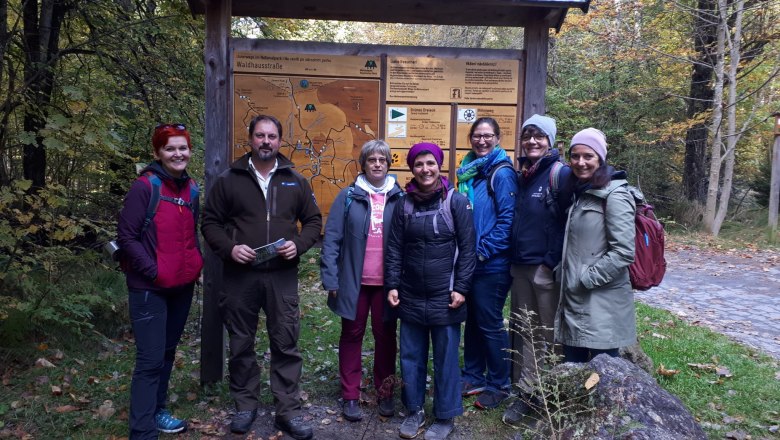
(539, 225)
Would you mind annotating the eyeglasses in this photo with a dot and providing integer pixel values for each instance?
(487, 137)
(180, 127)
(376, 160)
(537, 137)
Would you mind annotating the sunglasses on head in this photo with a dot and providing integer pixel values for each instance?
(179, 127)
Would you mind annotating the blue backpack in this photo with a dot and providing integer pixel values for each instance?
(112, 247)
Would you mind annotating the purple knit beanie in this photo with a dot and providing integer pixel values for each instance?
(424, 146)
(593, 138)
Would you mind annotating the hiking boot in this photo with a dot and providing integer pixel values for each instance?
(386, 407)
(295, 427)
(411, 425)
(242, 421)
(351, 410)
(491, 399)
(468, 389)
(440, 429)
(168, 423)
(514, 414)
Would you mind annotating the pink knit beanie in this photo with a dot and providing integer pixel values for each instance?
(593, 138)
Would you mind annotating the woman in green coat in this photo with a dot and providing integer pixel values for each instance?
(596, 311)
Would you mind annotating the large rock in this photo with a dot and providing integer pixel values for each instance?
(638, 357)
(626, 403)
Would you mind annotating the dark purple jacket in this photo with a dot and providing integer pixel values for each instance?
(167, 253)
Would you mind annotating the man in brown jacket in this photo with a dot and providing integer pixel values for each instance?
(259, 201)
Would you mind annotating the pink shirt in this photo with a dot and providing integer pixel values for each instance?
(373, 264)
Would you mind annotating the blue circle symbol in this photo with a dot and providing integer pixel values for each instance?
(304, 83)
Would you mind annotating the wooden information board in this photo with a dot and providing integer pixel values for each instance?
(330, 105)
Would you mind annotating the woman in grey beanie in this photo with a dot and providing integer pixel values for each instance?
(536, 243)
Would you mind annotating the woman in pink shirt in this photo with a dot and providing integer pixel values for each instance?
(352, 272)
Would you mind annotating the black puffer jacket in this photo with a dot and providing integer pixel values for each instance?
(420, 263)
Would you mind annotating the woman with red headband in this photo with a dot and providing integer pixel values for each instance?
(161, 259)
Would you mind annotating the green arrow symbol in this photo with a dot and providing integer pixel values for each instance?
(395, 114)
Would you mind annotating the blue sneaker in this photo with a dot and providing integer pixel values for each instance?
(168, 423)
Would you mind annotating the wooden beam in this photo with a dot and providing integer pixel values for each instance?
(217, 139)
(774, 190)
(536, 40)
(449, 12)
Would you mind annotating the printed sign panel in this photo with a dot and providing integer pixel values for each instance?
(428, 79)
(278, 63)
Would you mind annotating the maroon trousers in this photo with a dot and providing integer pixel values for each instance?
(370, 298)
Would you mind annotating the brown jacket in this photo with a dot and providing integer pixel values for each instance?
(237, 212)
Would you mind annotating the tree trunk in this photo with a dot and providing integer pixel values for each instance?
(732, 134)
(41, 37)
(716, 157)
(700, 102)
(4, 41)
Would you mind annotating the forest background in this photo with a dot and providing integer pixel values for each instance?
(683, 90)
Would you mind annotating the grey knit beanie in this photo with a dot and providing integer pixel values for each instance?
(544, 123)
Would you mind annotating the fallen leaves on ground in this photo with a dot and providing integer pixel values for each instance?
(663, 371)
(592, 381)
(106, 410)
(44, 363)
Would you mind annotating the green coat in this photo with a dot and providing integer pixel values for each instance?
(596, 308)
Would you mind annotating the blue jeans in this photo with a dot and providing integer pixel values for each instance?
(158, 319)
(585, 354)
(447, 402)
(485, 340)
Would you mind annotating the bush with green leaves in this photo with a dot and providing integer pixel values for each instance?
(51, 283)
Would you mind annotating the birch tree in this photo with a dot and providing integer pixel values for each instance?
(726, 99)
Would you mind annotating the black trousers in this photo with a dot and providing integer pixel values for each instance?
(246, 292)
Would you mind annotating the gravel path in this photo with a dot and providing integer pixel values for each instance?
(733, 292)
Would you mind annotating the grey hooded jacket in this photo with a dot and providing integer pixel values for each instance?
(344, 246)
(596, 308)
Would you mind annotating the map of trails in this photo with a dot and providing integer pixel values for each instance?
(325, 122)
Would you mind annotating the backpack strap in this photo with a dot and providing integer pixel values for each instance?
(155, 198)
(444, 210)
(195, 201)
(492, 176)
(348, 199)
(555, 178)
(554, 190)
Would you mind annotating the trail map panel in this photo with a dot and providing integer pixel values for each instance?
(325, 122)
(328, 106)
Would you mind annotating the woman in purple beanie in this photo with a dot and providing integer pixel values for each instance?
(429, 262)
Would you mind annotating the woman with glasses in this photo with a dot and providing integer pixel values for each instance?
(537, 240)
(487, 178)
(161, 259)
(352, 271)
(429, 263)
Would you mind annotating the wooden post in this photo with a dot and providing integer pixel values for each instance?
(774, 185)
(216, 54)
(536, 38)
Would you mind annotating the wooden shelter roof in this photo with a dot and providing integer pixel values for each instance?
(515, 13)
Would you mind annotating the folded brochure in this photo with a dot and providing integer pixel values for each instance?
(265, 253)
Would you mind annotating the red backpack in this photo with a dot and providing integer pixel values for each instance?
(649, 264)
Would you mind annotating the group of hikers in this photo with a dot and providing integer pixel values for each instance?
(556, 237)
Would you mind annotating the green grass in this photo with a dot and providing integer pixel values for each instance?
(99, 370)
(748, 400)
